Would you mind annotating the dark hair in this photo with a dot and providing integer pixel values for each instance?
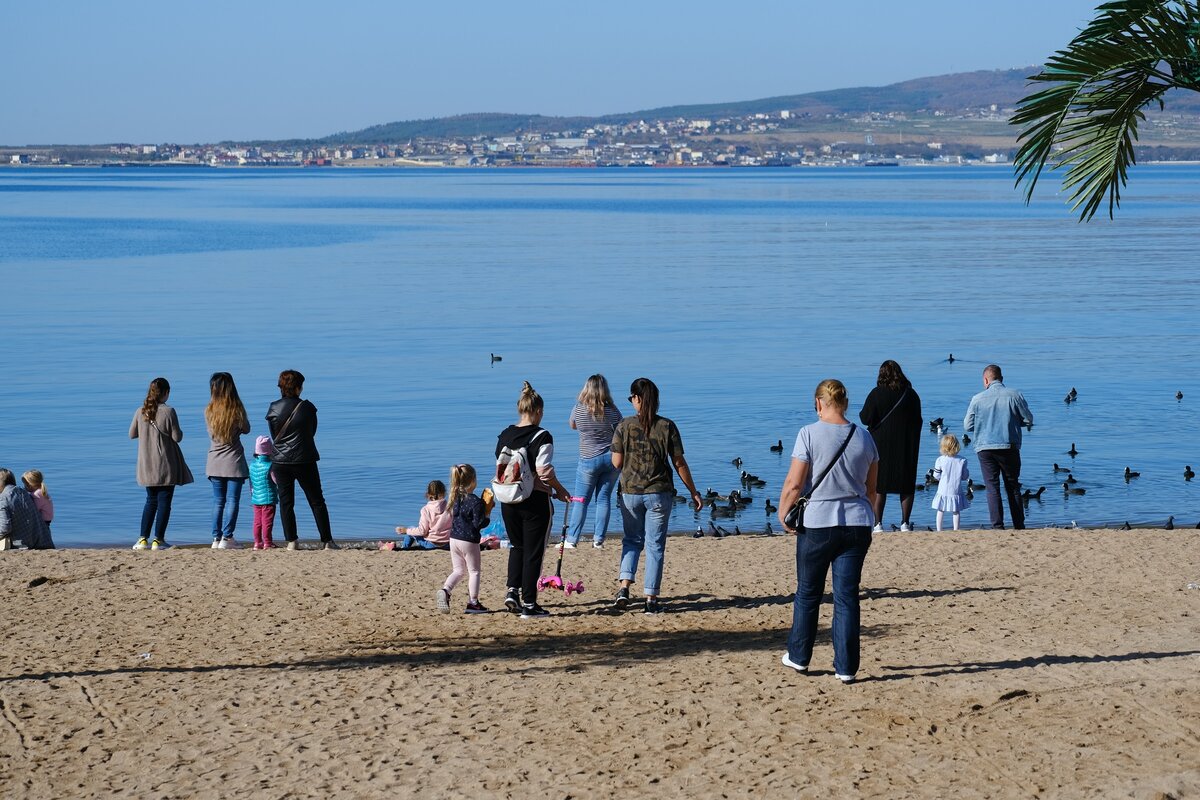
(992, 372)
(891, 376)
(291, 383)
(436, 490)
(645, 390)
(7, 478)
(155, 395)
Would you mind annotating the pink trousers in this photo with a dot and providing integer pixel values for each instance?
(264, 520)
(464, 559)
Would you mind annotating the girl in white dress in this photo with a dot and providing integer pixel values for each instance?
(951, 473)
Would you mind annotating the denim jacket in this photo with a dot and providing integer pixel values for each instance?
(996, 416)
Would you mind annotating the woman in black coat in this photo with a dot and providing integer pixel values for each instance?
(892, 414)
(293, 424)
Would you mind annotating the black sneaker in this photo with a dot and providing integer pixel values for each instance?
(512, 602)
(653, 606)
(529, 612)
(622, 601)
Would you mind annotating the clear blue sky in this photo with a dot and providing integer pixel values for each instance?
(80, 71)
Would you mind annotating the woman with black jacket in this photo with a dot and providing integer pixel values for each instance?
(293, 424)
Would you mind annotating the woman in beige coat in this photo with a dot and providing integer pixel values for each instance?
(160, 464)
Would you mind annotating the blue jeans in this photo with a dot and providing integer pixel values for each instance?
(225, 489)
(417, 543)
(645, 517)
(594, 477)
(157, 511)
(845, 548)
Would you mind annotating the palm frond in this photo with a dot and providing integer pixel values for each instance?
(1086, 119)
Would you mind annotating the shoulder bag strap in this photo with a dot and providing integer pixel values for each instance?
(841, 450)
(288, 421)
(903, 395)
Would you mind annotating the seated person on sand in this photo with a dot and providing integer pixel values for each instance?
(433, 531)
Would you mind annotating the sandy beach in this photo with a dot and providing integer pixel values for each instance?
(995, 664)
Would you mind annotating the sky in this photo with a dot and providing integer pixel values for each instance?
(87, 72)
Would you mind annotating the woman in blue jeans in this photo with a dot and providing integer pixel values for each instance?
(595, 416)
(226, 468)
(837, 527)
(645, 448)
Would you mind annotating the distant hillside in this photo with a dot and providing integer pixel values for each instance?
(941, 93)
(947, 93)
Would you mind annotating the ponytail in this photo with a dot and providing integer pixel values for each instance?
(155, 395)
(647, 392)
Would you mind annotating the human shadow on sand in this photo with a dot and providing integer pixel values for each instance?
(1049, 659)
(709, 602)
(537, 648)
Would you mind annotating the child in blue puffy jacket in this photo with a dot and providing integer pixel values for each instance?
(262, 493)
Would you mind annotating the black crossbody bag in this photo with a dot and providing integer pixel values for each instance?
(795, 515)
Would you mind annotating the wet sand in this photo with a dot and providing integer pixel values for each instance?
(995, 664)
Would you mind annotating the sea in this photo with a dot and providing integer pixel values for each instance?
(735, 290)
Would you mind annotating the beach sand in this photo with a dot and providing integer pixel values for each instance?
(995, 664)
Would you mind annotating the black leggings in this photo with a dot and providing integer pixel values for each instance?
(309, 477)
(528, 527)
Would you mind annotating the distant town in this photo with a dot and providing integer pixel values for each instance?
(680, 142)
(956, 119)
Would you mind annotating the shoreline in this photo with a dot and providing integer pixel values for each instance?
(362, 542)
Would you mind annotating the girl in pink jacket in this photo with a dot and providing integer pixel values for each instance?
(433, 531)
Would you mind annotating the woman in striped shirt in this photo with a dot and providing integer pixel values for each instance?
(595, 416)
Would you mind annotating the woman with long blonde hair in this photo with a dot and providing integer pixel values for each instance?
(595, 416)
(227, 469)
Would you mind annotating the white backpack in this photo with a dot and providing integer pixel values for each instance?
(514, 474)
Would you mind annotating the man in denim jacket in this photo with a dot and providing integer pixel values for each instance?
(995, 418)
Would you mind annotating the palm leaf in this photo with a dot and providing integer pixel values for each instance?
(1086, 119)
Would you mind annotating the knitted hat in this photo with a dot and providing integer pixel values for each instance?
(263, 446)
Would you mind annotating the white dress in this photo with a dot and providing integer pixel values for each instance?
(951, 472)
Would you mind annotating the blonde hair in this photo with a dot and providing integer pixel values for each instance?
(949, 445)
(832, 392)
(225, 414)
(462, 480)
(596, 397)
(436, 490)
(33, 481)
(530, 402)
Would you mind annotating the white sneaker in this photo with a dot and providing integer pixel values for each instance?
(845, 678)
(877, 529)
(229, 544)
(787, 662)
(141, 544)
(597, 545)
(568, 546)
(905, 527)
(216, 543)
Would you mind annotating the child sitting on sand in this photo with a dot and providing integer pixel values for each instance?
(951, 471)
(35, 485)
(469, 515)
(433, 531)
(263, 494)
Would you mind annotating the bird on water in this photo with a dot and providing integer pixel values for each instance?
(1072, 452)
(496, 358)
(1187, 473)
(777, 447)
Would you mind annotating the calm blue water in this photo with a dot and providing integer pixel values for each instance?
(736, 291)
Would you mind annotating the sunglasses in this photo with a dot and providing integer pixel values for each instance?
(632, 397)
